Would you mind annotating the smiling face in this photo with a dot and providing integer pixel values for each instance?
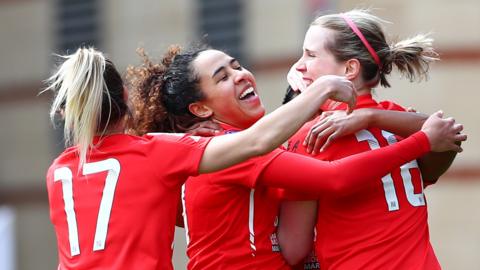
(230, 90)
(316, 60)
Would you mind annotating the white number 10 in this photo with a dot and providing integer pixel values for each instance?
(65, 175)
(415, 199)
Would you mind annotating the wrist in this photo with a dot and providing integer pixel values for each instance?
(323, 96)
(367, 116)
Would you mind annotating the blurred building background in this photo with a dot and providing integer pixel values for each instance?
(267, 36)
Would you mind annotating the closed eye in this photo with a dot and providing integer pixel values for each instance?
(235, 64)
(309, 53)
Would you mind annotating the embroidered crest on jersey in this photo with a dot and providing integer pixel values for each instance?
(230, 131)
(274, 238)
(292, 147)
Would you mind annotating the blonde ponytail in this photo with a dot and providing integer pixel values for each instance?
(80, 86)
(413, 56)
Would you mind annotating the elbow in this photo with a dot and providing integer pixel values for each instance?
(292, 261)
(294, 256)
(342, 189)
(295, 251)
(262, 146)
(340, 186)
(343, 184)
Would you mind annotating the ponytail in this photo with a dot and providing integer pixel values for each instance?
(412, 57)
(87, 105)
(146, 82)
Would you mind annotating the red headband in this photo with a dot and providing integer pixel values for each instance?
(355, 29)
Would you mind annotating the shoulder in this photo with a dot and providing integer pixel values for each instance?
(169, 138)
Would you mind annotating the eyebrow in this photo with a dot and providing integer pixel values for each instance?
(223, 67)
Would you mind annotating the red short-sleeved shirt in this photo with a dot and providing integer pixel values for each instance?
(125, 198)
(381, 228)
(230, 220)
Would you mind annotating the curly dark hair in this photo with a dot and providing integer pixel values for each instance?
(161, 92)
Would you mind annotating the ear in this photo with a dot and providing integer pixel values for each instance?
(352, 69)
(201, 110)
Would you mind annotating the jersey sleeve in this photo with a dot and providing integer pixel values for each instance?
(177, 155)
(312, 176)
(246, 173)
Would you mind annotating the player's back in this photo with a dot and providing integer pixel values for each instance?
(118, 211)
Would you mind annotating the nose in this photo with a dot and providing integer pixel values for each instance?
(300, 65)
(241, 75)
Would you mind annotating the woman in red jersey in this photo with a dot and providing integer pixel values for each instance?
(384, 227)
(113, 197)
(231, 215)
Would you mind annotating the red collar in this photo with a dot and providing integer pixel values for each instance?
(363, 101)
(227, 129)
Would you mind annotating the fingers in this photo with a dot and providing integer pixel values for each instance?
(349, 109)
(292, 83)
(438, 114)
(352, 103)
(456, 148)
(310, 142)
(205, 132)
(211, 125)
(325, 115)
(457, 128)
(410, 109)
(206, 128)
(294, 79)
(313, 133)
(329, 141)
(319, 141)
(313, 130)
(460, 137)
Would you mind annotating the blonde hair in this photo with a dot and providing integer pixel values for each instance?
(83, 98)
(412, 56)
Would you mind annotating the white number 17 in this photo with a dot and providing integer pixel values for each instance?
(65, 175)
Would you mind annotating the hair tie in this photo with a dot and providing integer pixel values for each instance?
(359, 34)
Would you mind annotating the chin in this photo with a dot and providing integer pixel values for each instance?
(259, 114)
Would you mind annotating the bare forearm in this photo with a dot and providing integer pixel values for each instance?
(400, 123)
(275, 128)
(434, 165)
(295, 230)
(278, 126)
(264, 136)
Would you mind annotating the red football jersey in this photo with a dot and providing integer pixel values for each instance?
(119, 210)
(379, 228)
(231, 221)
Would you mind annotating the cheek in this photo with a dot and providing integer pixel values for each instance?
(315, 68)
